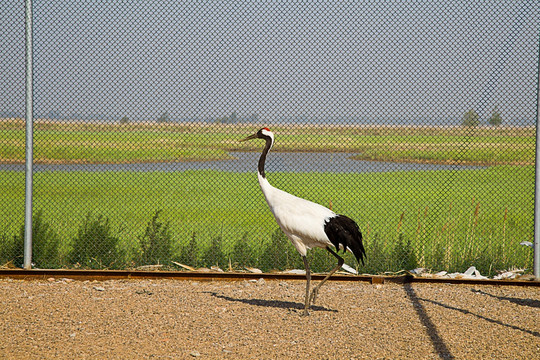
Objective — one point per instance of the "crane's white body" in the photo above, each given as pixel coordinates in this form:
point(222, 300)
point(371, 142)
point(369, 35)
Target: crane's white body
point(301, 220)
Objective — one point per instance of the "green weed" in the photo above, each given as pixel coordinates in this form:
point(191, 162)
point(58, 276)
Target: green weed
point(156, 242)
point(190, 252)
point(214, 255)
point(242, 254)
point(45, 245)
point(11, 250)
point(279, 254)
point(95, 246)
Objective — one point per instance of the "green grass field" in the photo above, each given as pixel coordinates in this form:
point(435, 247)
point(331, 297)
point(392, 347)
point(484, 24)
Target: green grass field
point(446, 224)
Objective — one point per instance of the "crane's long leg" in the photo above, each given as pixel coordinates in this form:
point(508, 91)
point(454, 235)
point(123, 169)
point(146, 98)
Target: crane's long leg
point(308, 278)
point(338, 266)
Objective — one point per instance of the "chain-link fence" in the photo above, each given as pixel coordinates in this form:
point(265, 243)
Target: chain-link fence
point(416, 119)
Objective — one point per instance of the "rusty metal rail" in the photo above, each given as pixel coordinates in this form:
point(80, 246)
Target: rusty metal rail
point(101, 275)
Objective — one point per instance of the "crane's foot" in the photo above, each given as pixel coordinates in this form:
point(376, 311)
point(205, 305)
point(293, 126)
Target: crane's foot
point(305, 313)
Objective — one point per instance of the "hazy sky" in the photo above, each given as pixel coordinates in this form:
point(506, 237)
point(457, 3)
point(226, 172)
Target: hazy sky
point(281, 60)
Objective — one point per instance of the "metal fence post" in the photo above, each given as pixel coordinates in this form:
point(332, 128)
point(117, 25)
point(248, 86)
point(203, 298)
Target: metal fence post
point(29, 138)
point(536, 265)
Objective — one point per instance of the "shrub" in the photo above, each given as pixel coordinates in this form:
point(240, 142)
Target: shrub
point(214, 254)
point(45, 244)
point(190, 252)
point(156, 242)
point(280, 254)
point(242, 253)
point(377, 257)
point(403, 255)
point(438, 261)
point(95, 247)
point(9, 252)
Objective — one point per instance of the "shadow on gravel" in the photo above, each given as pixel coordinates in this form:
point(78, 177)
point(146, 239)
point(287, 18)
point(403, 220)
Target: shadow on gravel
point(523, 302)
point(438, 343)
point(271, 303)
point(467, 312)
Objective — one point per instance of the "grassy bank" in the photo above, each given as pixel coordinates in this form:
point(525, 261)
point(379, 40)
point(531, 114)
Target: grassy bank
point(87, 142)
point(442, 220)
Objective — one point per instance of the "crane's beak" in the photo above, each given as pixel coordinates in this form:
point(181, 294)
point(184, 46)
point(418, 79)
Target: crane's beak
point(251, 137)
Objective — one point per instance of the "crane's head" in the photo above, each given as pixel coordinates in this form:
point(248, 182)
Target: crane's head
point(268, 137)
point(263, 133)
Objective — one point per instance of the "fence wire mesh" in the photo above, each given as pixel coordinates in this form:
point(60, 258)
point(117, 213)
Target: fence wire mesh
point(416, 119)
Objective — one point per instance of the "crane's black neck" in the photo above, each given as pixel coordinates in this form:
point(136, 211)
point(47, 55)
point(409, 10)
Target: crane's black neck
point(262, 159)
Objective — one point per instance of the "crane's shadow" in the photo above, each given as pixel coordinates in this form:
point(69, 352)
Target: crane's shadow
point(290, 305)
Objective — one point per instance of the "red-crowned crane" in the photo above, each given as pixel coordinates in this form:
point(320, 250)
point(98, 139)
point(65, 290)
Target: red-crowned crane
point(308, 224)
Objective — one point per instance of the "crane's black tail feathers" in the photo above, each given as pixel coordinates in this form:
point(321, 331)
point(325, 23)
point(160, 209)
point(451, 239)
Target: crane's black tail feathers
point(343, 231)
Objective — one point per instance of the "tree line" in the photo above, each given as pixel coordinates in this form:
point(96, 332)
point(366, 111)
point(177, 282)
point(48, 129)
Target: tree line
point(472, 119)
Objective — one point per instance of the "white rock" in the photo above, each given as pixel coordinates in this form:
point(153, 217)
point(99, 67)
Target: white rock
point(477, 275)
point(511, 274)
point(505, 275)
point(150, 267)
point(295, 271)
point(470, 271)
point(527, 243)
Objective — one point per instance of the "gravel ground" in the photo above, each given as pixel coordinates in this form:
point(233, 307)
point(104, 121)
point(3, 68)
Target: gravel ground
point(140, 319)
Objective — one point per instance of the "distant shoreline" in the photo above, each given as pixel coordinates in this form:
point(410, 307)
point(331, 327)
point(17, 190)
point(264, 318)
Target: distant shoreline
point(98, 142)
point(357, 157)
